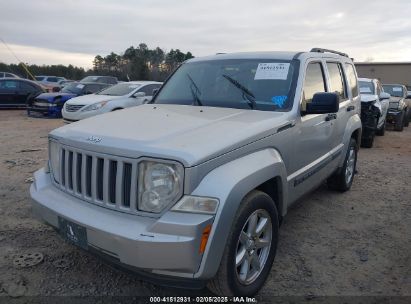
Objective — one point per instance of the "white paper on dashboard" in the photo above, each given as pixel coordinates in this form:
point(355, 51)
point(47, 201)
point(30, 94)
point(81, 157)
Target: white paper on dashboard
point(272, 70)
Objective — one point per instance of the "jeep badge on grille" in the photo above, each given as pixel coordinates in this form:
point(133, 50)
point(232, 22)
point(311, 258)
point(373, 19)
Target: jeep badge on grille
point(94, 139)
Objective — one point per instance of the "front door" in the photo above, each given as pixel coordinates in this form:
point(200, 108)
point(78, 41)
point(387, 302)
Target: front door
point(313, 142)
point(8, 93)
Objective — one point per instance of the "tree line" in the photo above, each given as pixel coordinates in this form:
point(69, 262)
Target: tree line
point(136, 63)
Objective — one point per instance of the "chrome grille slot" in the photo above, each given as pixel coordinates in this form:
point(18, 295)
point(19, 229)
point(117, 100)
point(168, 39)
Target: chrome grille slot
point(127, 184)
point(63, 167)
point(79, 164)
point(70, 170)
point(73, 108)
point(112, 181)
point(100, 170)
point(89, 161)
point(100, 179)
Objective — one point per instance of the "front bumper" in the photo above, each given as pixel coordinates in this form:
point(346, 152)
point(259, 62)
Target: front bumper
point(166, 246)
point(393, 115)
point(52, 111)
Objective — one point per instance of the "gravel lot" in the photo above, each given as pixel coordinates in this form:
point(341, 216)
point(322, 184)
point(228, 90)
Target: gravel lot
point(331, 244)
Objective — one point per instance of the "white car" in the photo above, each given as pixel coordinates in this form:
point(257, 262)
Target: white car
point(374, 108)
point(116, 97)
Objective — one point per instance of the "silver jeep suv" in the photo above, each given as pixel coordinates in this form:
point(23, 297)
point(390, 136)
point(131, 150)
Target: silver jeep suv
point(191, 189)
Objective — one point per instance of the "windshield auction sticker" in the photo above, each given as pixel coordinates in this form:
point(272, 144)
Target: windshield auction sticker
point(272, 70)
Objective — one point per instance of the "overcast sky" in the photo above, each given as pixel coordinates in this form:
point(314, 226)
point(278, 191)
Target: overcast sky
point(52, 32)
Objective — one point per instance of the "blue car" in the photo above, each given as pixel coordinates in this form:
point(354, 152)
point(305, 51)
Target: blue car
point(51, 104)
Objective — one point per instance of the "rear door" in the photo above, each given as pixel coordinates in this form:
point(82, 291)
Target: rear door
point(9, 93)
point(338, 84)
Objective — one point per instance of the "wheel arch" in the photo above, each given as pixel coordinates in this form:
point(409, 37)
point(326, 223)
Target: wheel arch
point(230, 183)
point(353, 129)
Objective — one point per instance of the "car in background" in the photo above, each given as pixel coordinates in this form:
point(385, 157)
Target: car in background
point(100, 79)
point(50, 104)
point(398, 113)
point(408, 103)
point(374, 109)
point(16, 92)
point(116, 97)
point(50, 82)
point(63, 83)
point(8, 75)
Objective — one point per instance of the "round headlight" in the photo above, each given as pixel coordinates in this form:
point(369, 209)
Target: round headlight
point(160, 184)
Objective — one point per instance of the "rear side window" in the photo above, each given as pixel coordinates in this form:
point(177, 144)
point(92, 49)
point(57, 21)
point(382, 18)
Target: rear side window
point(337, 83)
point(9, 85)
point(27, 87)
point(352, 79)
point(93, 88)
point(313, 83)
point(148, 89)
point(52, 79)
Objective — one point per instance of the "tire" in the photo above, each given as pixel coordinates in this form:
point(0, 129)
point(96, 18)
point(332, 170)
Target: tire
point(367, 139)
point(343, 178)
point(368, 142)
point(399, 124)
point(406, 119)
point(381, 131)
point(230, 279)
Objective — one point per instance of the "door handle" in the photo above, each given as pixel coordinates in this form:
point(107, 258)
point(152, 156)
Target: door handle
point(331, 117)
point(350, 108)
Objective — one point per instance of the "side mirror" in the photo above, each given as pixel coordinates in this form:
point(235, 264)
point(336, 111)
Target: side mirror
point(155, 91)
point(139, 94)
point(323, 103)
point(384, 95)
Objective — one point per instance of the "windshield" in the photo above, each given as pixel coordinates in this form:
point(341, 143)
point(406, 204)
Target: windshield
point(258, 84)
point(74, 88)
point(394, 90)
point(39, 78)
point(120, 89)
point(366, 87)
point(90, 79)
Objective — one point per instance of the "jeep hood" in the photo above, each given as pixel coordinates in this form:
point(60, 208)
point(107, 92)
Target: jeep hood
point(189, 134)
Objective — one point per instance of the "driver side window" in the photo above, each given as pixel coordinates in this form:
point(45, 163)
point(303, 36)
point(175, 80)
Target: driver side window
point(314, 82)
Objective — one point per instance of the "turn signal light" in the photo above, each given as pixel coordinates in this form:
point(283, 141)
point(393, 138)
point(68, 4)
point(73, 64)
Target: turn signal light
point(204, 238)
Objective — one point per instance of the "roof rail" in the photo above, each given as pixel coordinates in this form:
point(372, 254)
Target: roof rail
point(320, 50)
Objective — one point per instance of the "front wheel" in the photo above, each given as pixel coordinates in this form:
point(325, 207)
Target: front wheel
point(407, 118)
point(342, 179)
point(250, 248)
point(381, 131)
point(399, 123)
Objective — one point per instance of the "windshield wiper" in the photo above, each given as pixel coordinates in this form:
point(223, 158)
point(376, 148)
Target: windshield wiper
point(195, 92)
point(247, 94)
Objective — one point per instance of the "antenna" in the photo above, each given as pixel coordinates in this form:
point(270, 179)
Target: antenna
point(20, 62)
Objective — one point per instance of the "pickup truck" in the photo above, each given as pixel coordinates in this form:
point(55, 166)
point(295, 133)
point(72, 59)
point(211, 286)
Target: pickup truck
point(190, 189)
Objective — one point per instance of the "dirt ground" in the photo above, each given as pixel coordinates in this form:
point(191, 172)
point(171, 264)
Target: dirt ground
point(353, 244)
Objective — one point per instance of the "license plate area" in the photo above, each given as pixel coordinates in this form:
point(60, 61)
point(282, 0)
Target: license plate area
point(73, 232)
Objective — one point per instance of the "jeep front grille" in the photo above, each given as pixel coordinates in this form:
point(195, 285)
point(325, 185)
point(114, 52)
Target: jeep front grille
point(73, 108)
point(100, 179)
